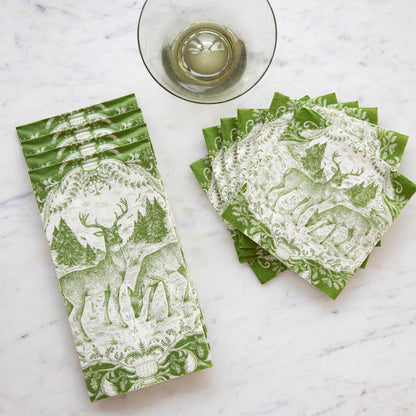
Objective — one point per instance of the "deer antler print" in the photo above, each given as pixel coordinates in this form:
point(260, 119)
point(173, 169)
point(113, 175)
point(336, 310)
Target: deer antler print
point(123, 206)
point(338, 177)
point(338, 167)
point(358, 172)
point(83, 219)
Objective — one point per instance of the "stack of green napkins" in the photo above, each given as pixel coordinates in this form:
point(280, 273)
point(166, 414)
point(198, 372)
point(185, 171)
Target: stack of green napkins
point(310, 185)
point(131, 303)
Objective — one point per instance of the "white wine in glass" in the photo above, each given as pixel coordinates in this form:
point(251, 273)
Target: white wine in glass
point(205, 55)
point(207, 52)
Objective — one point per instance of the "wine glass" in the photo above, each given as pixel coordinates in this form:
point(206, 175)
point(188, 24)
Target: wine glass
point(207, 51)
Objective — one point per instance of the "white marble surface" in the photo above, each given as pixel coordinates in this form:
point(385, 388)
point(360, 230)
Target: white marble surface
point(279, 349)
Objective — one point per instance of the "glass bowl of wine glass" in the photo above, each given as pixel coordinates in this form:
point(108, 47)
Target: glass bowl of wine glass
point(207, 51)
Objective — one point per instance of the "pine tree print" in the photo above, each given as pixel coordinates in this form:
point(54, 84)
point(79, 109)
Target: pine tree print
point(150, 227)
point(69, 251)
point(139, 229)
point(313, 158)
point(157, 227)
point(90, 256)
point(361, 195)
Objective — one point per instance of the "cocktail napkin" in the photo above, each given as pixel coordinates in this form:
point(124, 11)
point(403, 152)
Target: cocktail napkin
point(294, 222)
point(222, 149)
point(131, 303)
point(321, 203)
point(222, 145)
point(258, 150)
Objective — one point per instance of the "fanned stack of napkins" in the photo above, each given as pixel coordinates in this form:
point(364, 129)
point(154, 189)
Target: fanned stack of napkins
point(310, 185)
point(131, 303)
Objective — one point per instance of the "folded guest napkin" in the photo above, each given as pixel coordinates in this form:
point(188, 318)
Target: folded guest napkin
point(338, 206)
point(131, 303)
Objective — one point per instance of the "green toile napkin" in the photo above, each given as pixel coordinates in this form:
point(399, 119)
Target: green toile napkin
point(281, 103)
point(131, 303)
point(222, 143)
point(263, 264)
point(77, 118)
point(247, 128)
point(321, 202)
point(255, 152)
point(102, 127)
